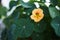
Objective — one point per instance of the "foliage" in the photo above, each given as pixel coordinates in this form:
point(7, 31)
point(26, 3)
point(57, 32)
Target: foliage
point(19, 25)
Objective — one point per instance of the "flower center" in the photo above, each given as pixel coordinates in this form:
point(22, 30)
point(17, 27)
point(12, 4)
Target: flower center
point(37, 14)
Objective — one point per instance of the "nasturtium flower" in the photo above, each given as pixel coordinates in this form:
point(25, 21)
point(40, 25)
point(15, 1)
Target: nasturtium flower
point(37, 15)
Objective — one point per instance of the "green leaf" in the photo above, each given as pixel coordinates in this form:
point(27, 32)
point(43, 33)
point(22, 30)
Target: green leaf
point(4, 34)
point(56, 25)
point(24, 28)
point(42, 0)
point(29, 10)
point(12, 3)
point(15, 15)
point(8, 22)
point(40, 27)
point(38, 36)
point(53, 12)
point(10, 33)
point(3, 11)
point(58, 3)
point(25, 5)
point(39, 1)
point(12, 0)
point(54, 2)
point(47, 17)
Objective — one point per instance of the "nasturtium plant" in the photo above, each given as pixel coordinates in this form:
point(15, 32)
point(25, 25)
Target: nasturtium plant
point(31, 20)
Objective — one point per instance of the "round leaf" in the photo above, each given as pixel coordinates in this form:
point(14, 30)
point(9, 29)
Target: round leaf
point(24, 28)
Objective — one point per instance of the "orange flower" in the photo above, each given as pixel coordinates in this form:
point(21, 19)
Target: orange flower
point(37, 15)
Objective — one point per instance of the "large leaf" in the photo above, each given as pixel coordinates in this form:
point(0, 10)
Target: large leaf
point(40, 27)
point(56, 25)
point(24, 28)
point(53, 12)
